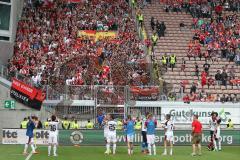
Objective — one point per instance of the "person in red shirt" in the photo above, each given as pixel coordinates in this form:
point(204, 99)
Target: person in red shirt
point(203, 78)
point(196, 135)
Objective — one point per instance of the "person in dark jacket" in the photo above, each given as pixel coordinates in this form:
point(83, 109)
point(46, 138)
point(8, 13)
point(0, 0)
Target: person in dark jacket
point(161, 29)
point(218, 77)
point(224, 78)
point(152, 22)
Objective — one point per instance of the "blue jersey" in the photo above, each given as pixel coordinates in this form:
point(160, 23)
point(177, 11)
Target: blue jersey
point(130, 127)
point(151, 125)
point(100, 118)
point(30, 128)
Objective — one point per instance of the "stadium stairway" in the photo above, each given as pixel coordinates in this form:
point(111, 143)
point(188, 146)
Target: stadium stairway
point(176, 42)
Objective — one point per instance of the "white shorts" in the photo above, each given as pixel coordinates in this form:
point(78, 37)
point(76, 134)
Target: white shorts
point(29, 140)
point(169, 136)
point(105, 134)
point(130, 138)
point(53, 139)
point(151, 138)
point(217, 135)
point(111, 138)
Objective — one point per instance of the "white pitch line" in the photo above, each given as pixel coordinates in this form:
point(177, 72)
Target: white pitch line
point(30, 155)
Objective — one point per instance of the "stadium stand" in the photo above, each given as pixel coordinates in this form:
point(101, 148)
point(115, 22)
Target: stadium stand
point(57, 44)
point(202, 47)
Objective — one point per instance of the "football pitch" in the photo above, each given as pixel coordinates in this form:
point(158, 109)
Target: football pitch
point(14, 152)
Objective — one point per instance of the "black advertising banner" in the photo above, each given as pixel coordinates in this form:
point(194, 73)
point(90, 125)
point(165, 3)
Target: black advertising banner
point(26, 94)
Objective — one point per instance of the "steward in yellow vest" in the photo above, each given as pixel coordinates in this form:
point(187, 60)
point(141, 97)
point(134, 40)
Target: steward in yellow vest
point(74, 125)
point(89, 125)
point(154, 39)
point(140, 19)
point(172, 59)
point(133, 3)
point(230, 124)
point(65, 124)
point(119, 125)
point(138, 124)
point(164, 60)
point(46, 124)
point(24, 123)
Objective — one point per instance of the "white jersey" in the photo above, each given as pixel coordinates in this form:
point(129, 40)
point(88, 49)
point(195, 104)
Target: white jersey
point(53, 128)
point(168, 125)
point(212, 124)
point(111, 127)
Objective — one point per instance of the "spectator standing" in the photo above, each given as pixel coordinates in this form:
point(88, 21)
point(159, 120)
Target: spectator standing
point(224, 77)
point(203, 78)
point(206, 67)
point(152, 23)
point(161, 29)
point(183, 66)
point(196, 70)
point(193, 88)
point(218, 77)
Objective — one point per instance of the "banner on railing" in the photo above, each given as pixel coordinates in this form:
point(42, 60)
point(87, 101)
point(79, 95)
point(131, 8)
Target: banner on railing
point(26, 94)
point(97, 35)
point(95, 137)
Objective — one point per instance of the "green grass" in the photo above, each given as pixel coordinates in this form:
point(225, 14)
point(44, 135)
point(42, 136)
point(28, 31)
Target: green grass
point(13, 152)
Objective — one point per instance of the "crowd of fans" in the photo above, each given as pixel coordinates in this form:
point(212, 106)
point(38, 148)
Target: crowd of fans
point(50, 51)
point(219, 34)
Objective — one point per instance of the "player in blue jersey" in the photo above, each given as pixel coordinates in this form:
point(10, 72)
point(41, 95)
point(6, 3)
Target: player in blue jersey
point(30, 127)
point(150, 125)
point(129, 129)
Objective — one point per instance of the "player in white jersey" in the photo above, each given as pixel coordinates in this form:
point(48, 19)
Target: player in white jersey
point(53, 135)
point(111, 135)
point(105, 130)
point(212, 126)
point(168, 129)
point(217, 137)
point(144, 136)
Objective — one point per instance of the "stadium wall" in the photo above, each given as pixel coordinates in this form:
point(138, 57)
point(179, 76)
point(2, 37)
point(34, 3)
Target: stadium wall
point(6, 46)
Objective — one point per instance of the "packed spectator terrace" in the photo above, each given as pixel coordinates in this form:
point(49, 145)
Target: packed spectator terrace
point(56, 45)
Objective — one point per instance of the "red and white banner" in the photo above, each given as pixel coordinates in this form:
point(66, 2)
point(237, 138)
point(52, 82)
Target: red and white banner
point(24, 88)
